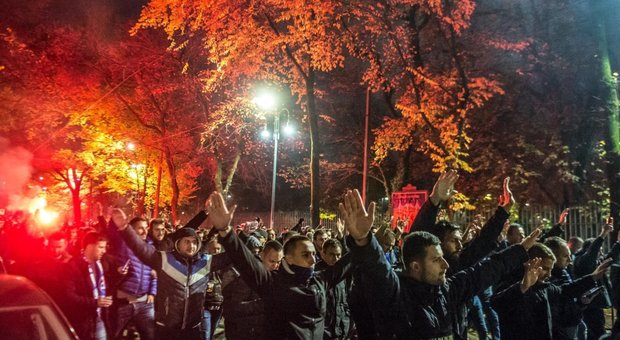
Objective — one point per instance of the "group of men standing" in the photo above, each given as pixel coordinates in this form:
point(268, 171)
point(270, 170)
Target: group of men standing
point(319, 287)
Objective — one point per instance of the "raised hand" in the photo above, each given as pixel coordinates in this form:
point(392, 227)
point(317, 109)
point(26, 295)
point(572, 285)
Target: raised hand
point(529, 241)
point(444, 187)
point(532, 271)
point(356, 220)
point(608, 227)
point(600, 271)
point(219, 215)
point(119, 219)
point(339, 228)
point(506, 199)
point(563, 216)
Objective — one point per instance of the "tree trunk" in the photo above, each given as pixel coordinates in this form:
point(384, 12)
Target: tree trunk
point(158, 187)
point(313, 120)
point(610, 105)
point(231, 174)
point(172, 172)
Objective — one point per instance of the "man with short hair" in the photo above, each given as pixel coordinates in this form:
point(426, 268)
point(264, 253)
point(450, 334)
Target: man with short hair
point(337, 316)
point(294, 295)
point(319, 236)
point(420, 303)
point(182, 276)
point(136, 288)
point(158, 233)
point(243, 307)
point(566, 313)
point(525, 308)
point(85, 297)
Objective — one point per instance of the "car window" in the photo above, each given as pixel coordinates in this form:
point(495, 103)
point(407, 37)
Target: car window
point(31, 323)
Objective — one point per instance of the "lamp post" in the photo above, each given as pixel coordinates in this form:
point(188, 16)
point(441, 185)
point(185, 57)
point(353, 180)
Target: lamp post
point(268, 103)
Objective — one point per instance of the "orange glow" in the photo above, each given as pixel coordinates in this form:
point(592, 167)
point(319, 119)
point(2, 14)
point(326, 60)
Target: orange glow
point(46, 217)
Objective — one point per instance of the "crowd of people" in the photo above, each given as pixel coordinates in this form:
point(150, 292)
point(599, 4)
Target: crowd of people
point(361, 280)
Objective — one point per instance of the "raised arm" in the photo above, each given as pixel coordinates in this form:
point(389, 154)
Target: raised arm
point(486, 242)
point(586, 262)
point(474, 280)
point(252, 270)
point(366, 253)
point(442, 191)
point(144, 251)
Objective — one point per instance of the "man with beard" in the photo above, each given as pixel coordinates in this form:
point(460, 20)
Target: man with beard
point(420, 303)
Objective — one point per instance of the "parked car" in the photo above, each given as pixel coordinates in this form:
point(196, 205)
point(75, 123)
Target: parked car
point(28, 313)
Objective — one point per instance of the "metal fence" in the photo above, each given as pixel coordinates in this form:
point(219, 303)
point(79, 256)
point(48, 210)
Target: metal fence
point(584, 222)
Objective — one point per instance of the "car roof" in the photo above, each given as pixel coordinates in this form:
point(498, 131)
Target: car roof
point(19, 291)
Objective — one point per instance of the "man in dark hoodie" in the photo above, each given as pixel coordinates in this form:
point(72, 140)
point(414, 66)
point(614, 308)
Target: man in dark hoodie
point(182, 276)
point(294, 295)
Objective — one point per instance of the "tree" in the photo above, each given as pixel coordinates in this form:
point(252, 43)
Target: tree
point(290, 42)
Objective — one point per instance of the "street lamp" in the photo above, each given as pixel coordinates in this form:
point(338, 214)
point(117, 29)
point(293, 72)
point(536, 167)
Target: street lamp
point(267, 101)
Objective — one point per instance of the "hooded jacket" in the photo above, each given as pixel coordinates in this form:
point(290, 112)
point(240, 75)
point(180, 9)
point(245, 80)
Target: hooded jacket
point(182, 281)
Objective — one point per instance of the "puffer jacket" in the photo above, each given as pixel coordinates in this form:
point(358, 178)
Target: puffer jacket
point(139, 281)
point(182, 281)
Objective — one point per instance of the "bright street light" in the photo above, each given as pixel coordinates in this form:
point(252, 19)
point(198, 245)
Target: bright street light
point(266, 100)
point(289, 129)
point(265, 134)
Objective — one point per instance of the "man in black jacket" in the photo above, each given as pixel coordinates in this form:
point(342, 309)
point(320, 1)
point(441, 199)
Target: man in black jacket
point(420, 303)
point(85, 293)
point(338, 316)
point(458, 256)
point(243, 307)
point(525, 308)
point(295, 295)
point(585, 262)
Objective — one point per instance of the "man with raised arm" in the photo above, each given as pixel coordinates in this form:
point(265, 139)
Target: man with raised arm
point(294, 295)
point(420, 303)
point(182, 276)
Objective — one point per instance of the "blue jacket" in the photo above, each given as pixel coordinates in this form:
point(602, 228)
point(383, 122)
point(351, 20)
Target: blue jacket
point(138, 280)
point(182, 281)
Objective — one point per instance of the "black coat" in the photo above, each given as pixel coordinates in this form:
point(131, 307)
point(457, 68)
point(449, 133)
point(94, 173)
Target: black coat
point(404, 308)
point(586, 262)
point(295, 310)
point(78, 303)
point(529, 316)
point(243, 310)
point(338, 314)
point(479, 248)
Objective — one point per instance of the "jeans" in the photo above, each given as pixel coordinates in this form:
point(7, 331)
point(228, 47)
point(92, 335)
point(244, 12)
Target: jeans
point(483, 318)
point(210, 320)
point(100, 333)
point(141, 314)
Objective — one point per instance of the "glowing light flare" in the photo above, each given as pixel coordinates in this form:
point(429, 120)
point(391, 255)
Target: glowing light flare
point(38, 203)
point(46, 217)
point(131, 146)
